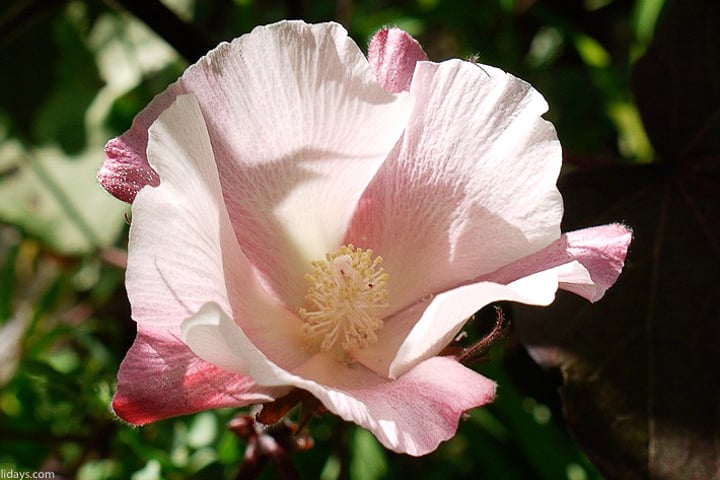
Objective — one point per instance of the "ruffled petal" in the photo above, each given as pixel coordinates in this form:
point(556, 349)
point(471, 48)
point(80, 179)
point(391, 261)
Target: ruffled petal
point(299, 126)
point(214, 336)
point(159, 379)
point(448, 312)
point(471, 187)
point(182, 254)
point(586, 262)
point(126, 170)
point(412, 414)
point(124, 174)
point(594, 258)
point(393, 54)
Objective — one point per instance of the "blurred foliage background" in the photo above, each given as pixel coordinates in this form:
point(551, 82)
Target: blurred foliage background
point(74, 73)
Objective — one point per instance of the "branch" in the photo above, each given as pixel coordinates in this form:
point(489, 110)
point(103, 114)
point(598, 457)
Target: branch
point(188, 40)
point(23, 13)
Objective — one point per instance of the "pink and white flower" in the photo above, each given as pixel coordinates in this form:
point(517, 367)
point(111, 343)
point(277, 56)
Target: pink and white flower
point(323, 221)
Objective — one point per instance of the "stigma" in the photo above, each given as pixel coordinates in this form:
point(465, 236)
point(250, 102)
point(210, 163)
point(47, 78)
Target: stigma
point(346, 295)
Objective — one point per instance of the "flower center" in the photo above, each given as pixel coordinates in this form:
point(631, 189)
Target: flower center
point(346, 291)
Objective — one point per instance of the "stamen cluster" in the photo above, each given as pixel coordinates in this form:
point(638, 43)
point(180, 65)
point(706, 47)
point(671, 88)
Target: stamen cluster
point(345, 294)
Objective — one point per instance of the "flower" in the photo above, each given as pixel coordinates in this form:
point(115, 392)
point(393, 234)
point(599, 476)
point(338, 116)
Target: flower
point(321, 221)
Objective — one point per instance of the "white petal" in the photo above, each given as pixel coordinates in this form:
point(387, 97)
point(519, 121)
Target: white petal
point(183, 252)
point(470, 189)
point(178, 239)
point(299, 126)
point(209, 334)
point(448, 312)
point(213, 336)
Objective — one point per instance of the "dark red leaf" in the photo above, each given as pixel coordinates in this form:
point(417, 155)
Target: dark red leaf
point(642, 387)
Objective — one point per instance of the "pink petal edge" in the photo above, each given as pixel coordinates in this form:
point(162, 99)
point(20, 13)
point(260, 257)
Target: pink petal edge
point(176, 382)
point(393, 54)
point(126, 169)
point(438, 391)
point(599, 251)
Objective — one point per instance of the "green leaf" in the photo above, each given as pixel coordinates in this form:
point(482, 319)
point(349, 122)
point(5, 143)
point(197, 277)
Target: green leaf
point(203, 430)
point(53, 81)
point(51, 379)
point(9, 248)
point(61, 119)
point(104, 468)
point(151, 471)
point(591, 51)
point(33, 56)
point(645, 17)
point(368, 461)
point(58, 200)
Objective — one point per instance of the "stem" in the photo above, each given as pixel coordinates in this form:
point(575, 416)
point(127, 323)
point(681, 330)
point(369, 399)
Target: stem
point(482, 346)
point(253, 465)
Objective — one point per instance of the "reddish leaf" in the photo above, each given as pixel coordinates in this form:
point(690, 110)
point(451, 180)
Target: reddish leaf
point(677, 82)
point(642, 388)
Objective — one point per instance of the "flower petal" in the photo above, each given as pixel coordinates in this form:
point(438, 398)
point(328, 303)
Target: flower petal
point(586, 262)
point(470, 189)
point(180, 234)
point(412, 414)
point(159, 379)
point(393, 54)
point(126, 170)
point(594, 256)
point(183, 253)
point(293, 163)
point(448, 312)
point(213, 336)
point(379, 355)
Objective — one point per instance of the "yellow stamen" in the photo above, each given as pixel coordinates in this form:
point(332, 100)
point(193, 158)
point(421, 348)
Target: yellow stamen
point(345, 295)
